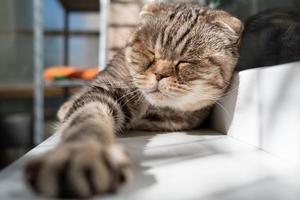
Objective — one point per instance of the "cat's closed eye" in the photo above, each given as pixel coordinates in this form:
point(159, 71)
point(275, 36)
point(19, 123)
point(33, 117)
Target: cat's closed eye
point(183, 63)
point(180, 65)
point(214, 61)
point(150, 64)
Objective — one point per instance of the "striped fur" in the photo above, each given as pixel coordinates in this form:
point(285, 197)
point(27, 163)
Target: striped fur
point(176, 65)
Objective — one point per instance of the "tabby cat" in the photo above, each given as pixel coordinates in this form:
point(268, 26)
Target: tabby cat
point(175, 66)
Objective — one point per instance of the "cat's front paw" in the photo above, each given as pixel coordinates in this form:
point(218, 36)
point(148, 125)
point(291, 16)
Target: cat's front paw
point(79, 170)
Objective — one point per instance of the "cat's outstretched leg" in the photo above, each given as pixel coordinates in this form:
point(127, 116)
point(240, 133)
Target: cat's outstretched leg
point(88, 160)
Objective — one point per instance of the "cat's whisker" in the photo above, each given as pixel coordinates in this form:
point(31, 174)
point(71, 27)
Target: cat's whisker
point(209, 98)
point(122, 97)
point(223, 108)
point(216, 101)
point(133, 97)
point(140, 99)
point(230, 91)
point(228, 82)
point(128, 100)
point(183, 86)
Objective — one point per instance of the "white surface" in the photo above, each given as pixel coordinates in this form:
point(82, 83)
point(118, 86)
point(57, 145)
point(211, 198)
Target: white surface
point(195, 165)
point(264, 110)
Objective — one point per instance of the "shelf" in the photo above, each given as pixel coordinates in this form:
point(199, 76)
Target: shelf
point(56, 32)
point(66, 83)
point(80, 5)
point(76, 33)
point(27, 91)
point(60, 32)
point(87, 5)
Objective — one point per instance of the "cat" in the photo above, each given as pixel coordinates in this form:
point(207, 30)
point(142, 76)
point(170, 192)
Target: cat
point(175, 66)
point(277, 34)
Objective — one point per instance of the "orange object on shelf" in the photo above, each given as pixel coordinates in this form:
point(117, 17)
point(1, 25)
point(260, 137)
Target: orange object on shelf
point(68, 72)
point(86, 74)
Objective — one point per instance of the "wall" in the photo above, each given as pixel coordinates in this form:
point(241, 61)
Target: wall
point(263, 110)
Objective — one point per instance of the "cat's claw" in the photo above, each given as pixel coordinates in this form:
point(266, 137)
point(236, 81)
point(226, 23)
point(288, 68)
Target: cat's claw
point(79, 169)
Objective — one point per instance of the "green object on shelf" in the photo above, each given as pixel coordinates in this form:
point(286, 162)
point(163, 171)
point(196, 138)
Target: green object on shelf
point(215, 3)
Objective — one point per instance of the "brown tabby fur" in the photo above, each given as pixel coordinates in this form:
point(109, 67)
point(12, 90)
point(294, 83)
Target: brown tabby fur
point(176, 65)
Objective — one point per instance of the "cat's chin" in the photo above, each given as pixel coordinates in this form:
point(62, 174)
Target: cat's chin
point(185, 103)
point(158, 98)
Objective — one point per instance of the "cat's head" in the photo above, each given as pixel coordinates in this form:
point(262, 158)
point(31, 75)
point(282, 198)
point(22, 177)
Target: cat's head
point(183, 56)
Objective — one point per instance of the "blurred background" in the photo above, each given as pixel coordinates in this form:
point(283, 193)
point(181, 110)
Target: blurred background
point(70, 40)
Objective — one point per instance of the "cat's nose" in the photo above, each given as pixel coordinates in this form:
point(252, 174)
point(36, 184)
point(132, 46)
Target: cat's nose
point(159, 76)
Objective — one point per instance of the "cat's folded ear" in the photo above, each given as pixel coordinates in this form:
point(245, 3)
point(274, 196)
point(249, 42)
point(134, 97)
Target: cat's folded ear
point(227, 21)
